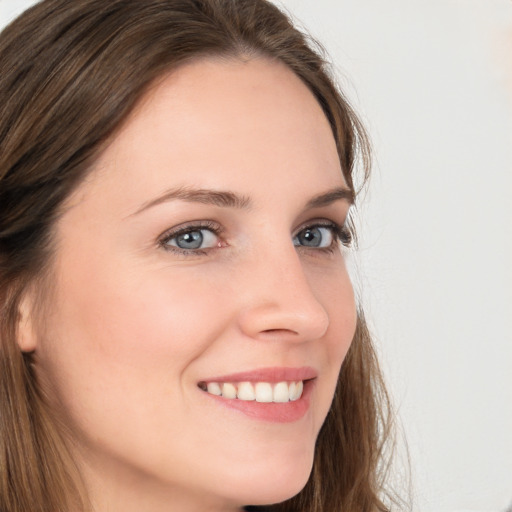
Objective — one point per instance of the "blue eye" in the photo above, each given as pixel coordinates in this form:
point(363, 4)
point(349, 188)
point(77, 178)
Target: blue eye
point(318, 237)
point(192, 238)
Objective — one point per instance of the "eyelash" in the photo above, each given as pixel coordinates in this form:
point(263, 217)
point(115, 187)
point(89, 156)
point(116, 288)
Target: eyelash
point(340, 234)
point(215, 228)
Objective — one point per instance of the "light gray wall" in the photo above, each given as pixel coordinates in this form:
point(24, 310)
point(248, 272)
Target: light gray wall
point(433, 81)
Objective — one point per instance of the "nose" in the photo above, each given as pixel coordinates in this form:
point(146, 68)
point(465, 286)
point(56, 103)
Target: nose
point(279, 300)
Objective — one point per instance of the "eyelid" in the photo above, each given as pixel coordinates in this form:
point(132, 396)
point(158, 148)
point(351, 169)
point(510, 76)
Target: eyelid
point(321, 222)
point(315, 222)
point(176, 231)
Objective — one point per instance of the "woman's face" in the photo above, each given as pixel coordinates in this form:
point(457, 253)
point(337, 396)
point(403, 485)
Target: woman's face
point(200, 253)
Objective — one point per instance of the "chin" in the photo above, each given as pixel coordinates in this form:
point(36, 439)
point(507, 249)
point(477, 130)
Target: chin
point(277, 483)
point(282, 493)
point(277, 493)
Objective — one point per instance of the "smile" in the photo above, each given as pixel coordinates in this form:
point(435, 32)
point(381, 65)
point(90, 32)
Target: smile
point(276, 394)
point(263, 392)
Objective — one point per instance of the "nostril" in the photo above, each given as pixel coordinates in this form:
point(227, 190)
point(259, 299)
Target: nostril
point(279, 331)
point(278, 334)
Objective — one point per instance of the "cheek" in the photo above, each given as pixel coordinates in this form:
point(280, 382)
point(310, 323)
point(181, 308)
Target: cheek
point(342, 312)
point(117, 358)
point(119, 335)
point(335, 290)
point(344, 320)
point(131, 309)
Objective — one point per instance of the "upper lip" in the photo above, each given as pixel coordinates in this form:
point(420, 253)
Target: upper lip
point(272, 374)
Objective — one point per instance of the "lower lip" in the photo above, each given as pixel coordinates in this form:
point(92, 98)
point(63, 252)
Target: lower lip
point(275, 412)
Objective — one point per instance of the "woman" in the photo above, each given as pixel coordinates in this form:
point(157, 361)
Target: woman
point(175, 183)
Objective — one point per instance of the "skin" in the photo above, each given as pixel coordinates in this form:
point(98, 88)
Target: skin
point(131, 328)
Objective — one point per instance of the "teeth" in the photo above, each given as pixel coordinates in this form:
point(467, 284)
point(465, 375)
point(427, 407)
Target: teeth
point(228, 390)
point(293, 390)
point(214, 389)
point(245, 391)
point(264, 392)
point(298, 391)
point(281, 392)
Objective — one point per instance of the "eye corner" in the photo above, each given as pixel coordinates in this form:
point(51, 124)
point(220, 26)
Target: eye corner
point(345, 236)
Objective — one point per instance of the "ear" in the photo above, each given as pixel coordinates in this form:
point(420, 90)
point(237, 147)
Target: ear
point(25, 333)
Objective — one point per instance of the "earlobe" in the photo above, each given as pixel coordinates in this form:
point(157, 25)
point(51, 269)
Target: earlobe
point(26, 337)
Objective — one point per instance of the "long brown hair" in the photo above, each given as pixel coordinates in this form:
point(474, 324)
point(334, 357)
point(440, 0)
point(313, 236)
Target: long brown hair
point(71, 72)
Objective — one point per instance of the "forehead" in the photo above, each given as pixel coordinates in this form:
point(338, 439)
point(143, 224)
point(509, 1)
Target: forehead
point(213, 121)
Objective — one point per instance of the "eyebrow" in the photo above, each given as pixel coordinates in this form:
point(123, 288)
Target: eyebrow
point(220, 198)
point(331, 196)
point(227, 199)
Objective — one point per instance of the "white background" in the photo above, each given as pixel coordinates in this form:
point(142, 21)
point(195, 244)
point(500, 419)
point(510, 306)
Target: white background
point(433, 81)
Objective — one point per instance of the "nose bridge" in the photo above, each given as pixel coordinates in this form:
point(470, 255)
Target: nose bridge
point(279, 297)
